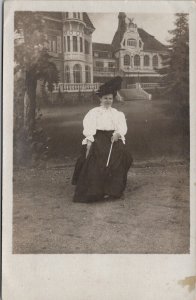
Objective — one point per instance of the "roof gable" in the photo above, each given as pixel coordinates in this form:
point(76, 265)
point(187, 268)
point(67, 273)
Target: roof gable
point(87, 21)
point(150, 42)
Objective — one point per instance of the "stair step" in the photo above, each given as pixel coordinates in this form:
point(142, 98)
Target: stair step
point(133, 94)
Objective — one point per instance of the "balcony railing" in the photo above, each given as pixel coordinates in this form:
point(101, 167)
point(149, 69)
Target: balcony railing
point(150, 85)
point(105, 70)
point(144, 85)
point(75, 87)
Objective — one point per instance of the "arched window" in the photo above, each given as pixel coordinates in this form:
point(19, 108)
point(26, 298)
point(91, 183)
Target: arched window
point(68, 44)
point(87, 74)
point(146, 60)
point(65, 43)
point(77, 73)
point(127, 60)
point(137, 60)
point(67, 74)
point(155, 61)
point(131, 43)
point(81, 44)
point(75, 44)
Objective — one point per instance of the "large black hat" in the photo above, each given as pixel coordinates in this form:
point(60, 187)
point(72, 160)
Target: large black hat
point(110, 87)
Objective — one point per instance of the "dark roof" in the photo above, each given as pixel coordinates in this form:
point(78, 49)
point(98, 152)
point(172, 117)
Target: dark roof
point(150, 43)
point(59, 16)
point(117, 39)
point(102, 47)
point(87, 21)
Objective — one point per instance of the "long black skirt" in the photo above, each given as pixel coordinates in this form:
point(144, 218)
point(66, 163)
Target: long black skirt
point(92, 178)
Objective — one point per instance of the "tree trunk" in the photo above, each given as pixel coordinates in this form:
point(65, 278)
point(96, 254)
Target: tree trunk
point(30, 102)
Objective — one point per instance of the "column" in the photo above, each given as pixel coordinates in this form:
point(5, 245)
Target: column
point(151, 67)
point(83, 73)
point(91, 68)
point(141, 61)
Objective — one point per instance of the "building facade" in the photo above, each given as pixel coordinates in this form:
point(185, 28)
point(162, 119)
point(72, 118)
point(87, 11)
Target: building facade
point(133, 54)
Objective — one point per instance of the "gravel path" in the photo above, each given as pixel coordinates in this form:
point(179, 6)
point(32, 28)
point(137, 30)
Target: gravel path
point(153, 216)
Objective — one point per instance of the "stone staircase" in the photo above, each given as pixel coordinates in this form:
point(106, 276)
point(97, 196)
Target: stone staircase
point(136, 93)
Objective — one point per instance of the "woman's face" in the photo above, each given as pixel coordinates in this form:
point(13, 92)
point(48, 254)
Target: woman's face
point(107, 100)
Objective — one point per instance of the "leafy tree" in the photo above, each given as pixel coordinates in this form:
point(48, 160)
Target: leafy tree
point(175, 69)
point(32, 63)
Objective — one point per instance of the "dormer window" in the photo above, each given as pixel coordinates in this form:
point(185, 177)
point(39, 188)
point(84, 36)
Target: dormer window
point(131, 43)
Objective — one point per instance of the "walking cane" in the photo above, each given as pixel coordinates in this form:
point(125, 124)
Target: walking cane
point(109, 154)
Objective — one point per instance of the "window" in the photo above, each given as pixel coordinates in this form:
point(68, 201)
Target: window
point(67, 15)
point(99, 64)
point(68, 43)
point(111, 65)
point(78, 15)
point(74, 15)
point(49, 45)
point(96, 54)
point(52, 43)
point(104, 54)
point(75, 44)
point(155, 61)
point(131, 43)
point(140, 44)
point(77, 72)
point(86, 45)
point(146, 60)
point(87, 74)
point(127, 60)
point(54, 46)
point(81, 44)
point(65, 43)
point(137, 60)
point(67, 74)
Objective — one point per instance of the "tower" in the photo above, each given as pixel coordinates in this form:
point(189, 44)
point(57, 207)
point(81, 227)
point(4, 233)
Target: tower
point(77, 47)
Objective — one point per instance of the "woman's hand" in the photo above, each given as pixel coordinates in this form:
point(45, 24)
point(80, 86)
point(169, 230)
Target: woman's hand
point(88, 146)
point(115, 137)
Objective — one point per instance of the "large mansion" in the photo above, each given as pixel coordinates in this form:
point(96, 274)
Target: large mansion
point(133, 53)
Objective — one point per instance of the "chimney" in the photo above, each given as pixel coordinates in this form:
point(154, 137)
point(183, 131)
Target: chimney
point(121, 21)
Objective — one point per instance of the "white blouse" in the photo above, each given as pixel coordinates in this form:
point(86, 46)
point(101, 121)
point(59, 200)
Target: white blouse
point(101, 118)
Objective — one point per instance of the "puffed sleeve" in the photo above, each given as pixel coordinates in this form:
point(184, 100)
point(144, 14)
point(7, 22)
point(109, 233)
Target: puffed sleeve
point(121, 126)
point(89, 126)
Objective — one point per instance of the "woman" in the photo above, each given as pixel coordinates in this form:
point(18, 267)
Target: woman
point(101, 170)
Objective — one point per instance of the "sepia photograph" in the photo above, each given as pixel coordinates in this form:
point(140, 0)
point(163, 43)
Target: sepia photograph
point(101, 142)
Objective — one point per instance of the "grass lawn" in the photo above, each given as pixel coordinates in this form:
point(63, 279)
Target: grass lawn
point(154, 132)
